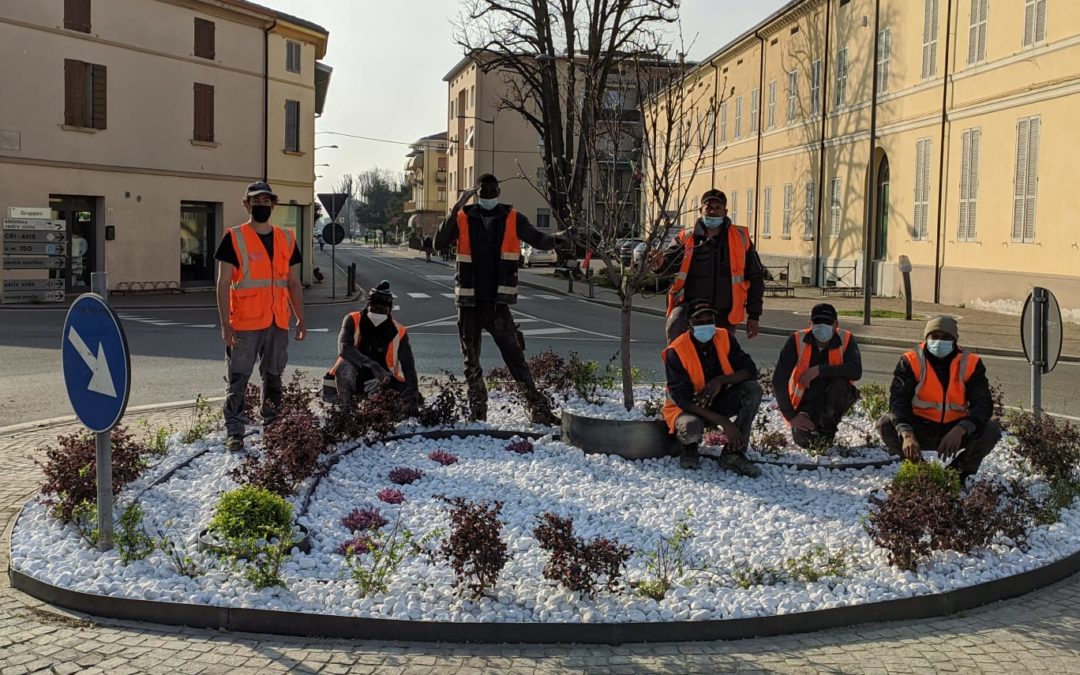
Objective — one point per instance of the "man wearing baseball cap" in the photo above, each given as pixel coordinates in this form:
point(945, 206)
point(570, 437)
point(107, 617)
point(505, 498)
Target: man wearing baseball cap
point(258, 290)
point(709, 380)
point(715, 262)
point(814, 376)
point(940, 400)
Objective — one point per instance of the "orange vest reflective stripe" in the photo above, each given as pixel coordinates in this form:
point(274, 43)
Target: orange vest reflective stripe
point(509, 254)
point(259, 289)
point(738, 245)
point(393, 363)
point(934, 402)
point(802, 362)
point(685, 350)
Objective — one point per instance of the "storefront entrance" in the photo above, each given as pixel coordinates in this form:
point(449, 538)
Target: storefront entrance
point(80, 213)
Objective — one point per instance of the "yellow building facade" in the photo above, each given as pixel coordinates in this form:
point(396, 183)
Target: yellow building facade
point(426, 170)
point(973, 133)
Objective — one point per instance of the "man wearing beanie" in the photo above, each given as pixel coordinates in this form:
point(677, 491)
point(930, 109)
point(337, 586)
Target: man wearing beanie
point(940, 400)
point(813, 379)
point(373, 351)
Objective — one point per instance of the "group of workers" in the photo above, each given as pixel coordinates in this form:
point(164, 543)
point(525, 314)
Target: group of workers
point(939, 399)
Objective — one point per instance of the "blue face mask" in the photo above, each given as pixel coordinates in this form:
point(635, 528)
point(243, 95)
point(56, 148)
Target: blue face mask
point(488, 204)
point(713, 222)
point(704, 333)
point(823, 332)
point(940, 348)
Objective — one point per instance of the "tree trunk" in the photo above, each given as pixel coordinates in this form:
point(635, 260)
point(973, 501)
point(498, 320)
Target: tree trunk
point(627, 368)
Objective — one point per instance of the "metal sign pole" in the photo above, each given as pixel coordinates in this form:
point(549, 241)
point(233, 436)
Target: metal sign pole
point(333, 266)
point(1038, 351)
point(103, 445)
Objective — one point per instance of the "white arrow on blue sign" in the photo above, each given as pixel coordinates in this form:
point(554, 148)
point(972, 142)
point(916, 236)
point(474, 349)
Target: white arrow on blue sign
point(96, 363)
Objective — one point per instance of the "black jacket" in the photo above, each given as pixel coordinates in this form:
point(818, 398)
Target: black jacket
point(850, 369)
point(681, 389)
point(487, 271)
point(902, 392)
point(372, 353)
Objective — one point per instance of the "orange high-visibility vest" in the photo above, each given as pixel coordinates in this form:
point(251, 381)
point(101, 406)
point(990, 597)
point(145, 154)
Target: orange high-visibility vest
point(509, 253)
point(836, 358)
point(686, 352)
point(738, 245)
point(259, 290)
point(933, 401)
point(393, 363)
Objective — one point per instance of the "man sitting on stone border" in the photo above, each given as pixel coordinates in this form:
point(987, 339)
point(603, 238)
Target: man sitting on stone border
point(940, 400)
point(709, 379)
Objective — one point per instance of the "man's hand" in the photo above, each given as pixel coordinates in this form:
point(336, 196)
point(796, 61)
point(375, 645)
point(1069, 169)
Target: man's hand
point(228, 335)
point(911, 449)
point(803, 423)
point(371, 385)
point(809, 376)
point(753, 328)
point(301, 330)
point(712, 388)
point(951, 442)
point(466, 195)
point(735, 439)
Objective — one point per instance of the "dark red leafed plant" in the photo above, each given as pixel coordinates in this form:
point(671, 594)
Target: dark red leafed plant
point(71, 474)
point(292, 445)
point(575, 563)
point(359, 545)
point(475, 547)
point(371, 417)
point(449, 405)
point(522, 446)
point(551, 373)
point(363, 519)
point(390, 496)
point(404, 475)
point(443, 457)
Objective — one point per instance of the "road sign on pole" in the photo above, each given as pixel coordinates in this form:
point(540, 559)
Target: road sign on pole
point(30, 212)
point(333, 202)
point(1041, 333)
point(35, 224)
point(34, 236)
point(97, 375)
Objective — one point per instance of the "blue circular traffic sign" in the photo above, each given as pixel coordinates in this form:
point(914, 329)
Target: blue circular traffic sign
point(97, 367)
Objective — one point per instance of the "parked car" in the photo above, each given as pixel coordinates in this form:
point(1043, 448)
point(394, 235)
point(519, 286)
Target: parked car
point(533, 256)
point(624, 248)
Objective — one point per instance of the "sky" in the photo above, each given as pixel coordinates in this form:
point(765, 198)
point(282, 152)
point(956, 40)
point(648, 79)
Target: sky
point(389, 58)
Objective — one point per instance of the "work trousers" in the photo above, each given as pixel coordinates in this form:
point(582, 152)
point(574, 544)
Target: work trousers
point(351, 383)
point(495, 318)
point(826, 411)
point(929, 435)
point(678, 322)
point(269, 347)
point(740, 401)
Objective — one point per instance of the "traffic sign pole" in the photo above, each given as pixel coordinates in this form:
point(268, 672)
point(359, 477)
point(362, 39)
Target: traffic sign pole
point(1038, 347)
point(103, 446)
point(333, 269)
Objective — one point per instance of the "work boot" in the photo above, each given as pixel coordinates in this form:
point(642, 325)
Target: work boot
point(539, 408)
point(477, 411)
point(737, 462)
point(689, 458)
point(234, 444)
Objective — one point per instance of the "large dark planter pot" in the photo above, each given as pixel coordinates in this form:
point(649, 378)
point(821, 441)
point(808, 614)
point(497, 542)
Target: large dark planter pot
point(632, 439)
point(208, 542)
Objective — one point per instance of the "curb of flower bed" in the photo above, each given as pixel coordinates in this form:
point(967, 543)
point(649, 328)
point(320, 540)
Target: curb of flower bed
point(344, 627)
point(838, 466)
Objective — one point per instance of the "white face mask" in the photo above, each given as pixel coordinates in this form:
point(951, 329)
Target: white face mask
point(823, 332)
point(487, 204)
point(377, 319)
point(939, 348)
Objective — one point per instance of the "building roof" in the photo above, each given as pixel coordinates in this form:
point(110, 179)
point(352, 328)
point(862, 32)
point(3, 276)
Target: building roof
point(270, 13)
point(441, 136)
point(748, 33)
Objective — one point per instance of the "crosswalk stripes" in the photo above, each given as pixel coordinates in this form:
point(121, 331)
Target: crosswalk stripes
point(419, 295)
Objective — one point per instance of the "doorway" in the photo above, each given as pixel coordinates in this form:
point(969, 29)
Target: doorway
point(80, 214)
point(881, 218)
point(198, 228)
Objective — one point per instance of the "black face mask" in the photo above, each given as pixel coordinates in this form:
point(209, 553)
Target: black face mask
point(261, 213)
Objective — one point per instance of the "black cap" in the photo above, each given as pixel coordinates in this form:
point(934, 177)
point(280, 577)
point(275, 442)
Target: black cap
point(823, 313)
point(487, 178)
point(381, 295)
point(259, 188)
point(714, 194)
point(699, 307)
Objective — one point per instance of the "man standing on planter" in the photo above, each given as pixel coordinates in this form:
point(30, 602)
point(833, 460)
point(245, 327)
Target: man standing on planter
point(940, 400)
point(258, 290)
point(373, 351)
point(814, 375)
point(709, 379)
point(488, 237)
point(715, 262)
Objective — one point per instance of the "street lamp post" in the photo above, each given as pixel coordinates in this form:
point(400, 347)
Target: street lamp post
point(492, 123)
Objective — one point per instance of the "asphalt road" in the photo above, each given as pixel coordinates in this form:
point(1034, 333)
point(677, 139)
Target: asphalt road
point(177, 353)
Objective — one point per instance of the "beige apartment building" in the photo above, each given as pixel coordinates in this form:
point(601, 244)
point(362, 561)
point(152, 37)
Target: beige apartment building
point(975, 132)
point(426, 169)
point(140, 122)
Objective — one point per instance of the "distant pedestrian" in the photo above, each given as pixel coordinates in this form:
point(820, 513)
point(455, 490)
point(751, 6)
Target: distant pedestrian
point(258, 289)
point(322, 242)
point(488, 237)
point(429, 248)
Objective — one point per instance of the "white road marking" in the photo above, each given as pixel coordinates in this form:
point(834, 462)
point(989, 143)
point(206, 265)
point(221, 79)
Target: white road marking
point(419, 295)
point(546, 331)
point(548, 297)
point(439, 277)
point(449, 295)
point(318, 330)
point(203, 325)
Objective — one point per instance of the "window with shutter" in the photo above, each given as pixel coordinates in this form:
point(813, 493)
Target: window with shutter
point(1034, 22)
point(723, 122)
point(969, 184)
point(809, 211)
point(77, 15)
point(99, 78)
point(749, 207)
point(204, 113)
point(75, 93)
point(292, 56)
point(930, 39)
point(792, 95)
point(977, 32)
point(204, 38)
point(834, 209)
point(772, 104)
point(841, 78)
point(766, 230)
point(292, 126)
point(884, 56)
point(815, 87)
point(789, 197)
point(755, 109)
point(1026, 181)
point(921, 222)
point(738, 117)
point(734, 201)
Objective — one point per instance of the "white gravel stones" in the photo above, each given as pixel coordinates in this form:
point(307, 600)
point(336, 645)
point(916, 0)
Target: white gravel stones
point(736, 521)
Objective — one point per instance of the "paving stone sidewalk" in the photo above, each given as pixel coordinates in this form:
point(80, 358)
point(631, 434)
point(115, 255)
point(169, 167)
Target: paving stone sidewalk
point(1036, 633)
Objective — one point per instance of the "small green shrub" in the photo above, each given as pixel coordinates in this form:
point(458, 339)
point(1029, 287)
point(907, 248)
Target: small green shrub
point(873, 401)
point(157, 438)
point(913, 473)
point(84, 518)
point(132, 541)
point(667, 562)
point(586, 377)
point(250, 513)
point(818, 563)
point(373, 569)
point(748, 576)
point(178, 559)
point(204, 419)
